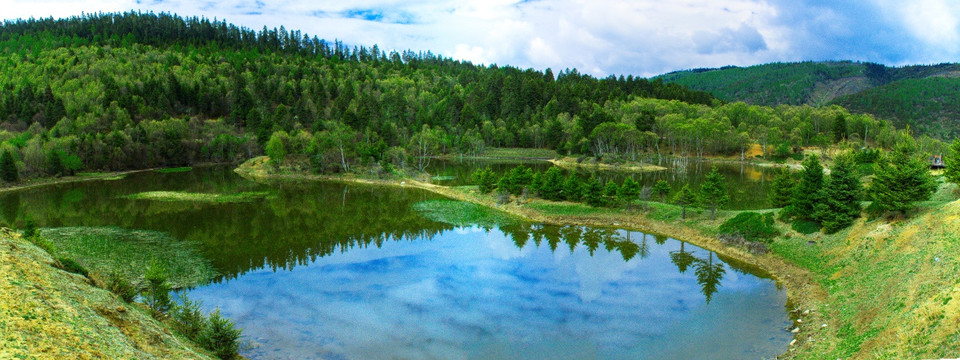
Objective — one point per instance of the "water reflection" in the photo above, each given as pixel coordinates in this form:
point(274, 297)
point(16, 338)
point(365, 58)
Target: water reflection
point(328, 270)
point(474, 293)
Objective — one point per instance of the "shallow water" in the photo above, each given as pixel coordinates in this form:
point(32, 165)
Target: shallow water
point(338, 271)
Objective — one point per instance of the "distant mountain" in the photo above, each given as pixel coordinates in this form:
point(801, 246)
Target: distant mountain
point(925, 97)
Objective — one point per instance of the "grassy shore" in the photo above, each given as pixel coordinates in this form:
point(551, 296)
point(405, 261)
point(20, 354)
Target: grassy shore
point(878, 289)
point(81, 176)
point(47, 313)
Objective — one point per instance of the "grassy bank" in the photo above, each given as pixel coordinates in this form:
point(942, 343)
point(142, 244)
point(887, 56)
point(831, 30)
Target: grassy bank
point(107, 250)
point(81, 176)
point(878, 289)
point(47, 313)
point(198, 197)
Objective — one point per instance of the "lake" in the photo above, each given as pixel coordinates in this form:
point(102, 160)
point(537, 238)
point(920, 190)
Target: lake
point(344, 271)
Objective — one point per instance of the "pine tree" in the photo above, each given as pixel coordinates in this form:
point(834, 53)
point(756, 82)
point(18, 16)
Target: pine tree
point(629, 191)
point(593, 192)
point(572, 189)
point(685, 197)
point(952, 163)
point(807, 193)
point(840, 198)
point(551, 184)
point(661, 189)
point(610, 192)
point(8, 167)
point(900, 179)
point(782, 188)
point(713, 193)
point(485, 179)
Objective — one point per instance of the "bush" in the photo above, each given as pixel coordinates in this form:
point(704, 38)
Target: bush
point(751, 226)
point(189, 318)
point(43, 243)
point(805, 227)
point(157, 294)
point(220, 337)
point(68, 265)
point(122, 287)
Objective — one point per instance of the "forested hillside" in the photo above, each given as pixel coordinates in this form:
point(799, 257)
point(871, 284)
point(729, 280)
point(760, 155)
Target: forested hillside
point(134, 90)
point(923, 97)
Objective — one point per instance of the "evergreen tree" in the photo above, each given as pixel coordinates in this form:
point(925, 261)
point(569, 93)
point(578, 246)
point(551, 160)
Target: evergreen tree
point(900, 179)
point(593, 192)
point(952, 163)
point(782, 188)
point(8, 167)
point(485, 179)
point(807, 193)
point(840, 198)
point(610, 192)
point(713, 192)
point(552, 184)
point(685, 197)
point(572, 189)
point(629, 191)
point(661, 189)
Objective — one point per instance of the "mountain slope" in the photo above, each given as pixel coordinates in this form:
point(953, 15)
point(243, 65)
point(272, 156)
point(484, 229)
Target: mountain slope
point(922, 96)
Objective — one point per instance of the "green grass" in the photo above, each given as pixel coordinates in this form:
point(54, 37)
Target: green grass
point(462, 213)
point(106, 250)
point(566, 208)
point(198, 197)
point(174, 170)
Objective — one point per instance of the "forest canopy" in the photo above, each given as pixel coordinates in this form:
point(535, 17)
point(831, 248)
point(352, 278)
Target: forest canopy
point(136, 90)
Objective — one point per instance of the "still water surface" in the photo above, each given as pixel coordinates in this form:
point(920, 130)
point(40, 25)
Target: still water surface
point(341, 271)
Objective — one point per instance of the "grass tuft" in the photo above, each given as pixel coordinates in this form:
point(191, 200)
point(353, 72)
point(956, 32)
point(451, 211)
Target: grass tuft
point(174, 170)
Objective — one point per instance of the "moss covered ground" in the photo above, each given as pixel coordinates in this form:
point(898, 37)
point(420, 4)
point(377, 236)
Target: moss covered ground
point(47, 313)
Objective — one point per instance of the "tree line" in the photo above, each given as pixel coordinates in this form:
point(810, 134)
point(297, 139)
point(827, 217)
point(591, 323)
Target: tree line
point(135, 90)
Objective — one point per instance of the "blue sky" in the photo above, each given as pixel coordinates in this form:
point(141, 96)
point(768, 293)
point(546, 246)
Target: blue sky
point(598, 37)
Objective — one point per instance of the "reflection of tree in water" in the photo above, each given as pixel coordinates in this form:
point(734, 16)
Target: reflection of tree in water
point(682, 258)
point(10, 208)
point(708, 276)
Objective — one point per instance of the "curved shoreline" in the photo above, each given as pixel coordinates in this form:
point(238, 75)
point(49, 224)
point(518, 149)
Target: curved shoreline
point(803, 293)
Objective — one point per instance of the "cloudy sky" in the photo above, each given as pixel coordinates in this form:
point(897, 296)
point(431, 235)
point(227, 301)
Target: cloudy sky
point(600, 37)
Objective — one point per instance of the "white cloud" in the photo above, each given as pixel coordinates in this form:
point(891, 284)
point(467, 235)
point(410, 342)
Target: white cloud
point(600, 37)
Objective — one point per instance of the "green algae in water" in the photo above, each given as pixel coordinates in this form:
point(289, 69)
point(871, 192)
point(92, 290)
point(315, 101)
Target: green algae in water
point(104, 250)
point(198, 197)
point(460, 213)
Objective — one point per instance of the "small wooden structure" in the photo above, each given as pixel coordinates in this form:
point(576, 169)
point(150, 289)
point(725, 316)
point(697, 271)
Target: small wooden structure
point(936, 162)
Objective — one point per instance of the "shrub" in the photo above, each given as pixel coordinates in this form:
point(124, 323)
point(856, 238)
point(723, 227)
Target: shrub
point(68, 265)
point(43, 243)
point(220, 337)
point(751, 226)
point(190, 320)
point(157, 294)
point(805, 227)
point(119, 285)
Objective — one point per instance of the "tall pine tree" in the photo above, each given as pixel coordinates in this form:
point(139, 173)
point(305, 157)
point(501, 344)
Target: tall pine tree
point(807, 192)
point(839, 202)
point(782, 187)
point(900, 179)
point(685, 197)
point(713, 192)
